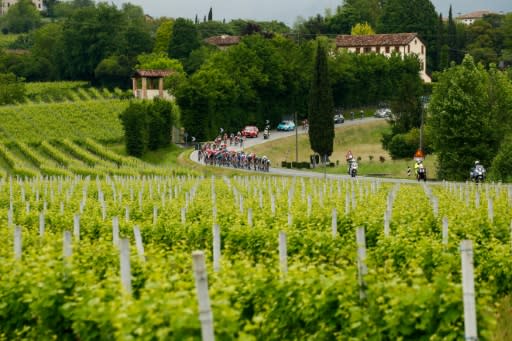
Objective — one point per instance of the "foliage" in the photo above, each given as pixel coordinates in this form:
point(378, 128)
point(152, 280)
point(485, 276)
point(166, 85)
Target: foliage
point(362, 29)
point(501, 167)
point(469, 117)
point(163, 36)
point(321, 108)
point(158, 61)
point(147, 126)
point(184, 39)
point(113, 72)
point(12, 89)
point(412, 290)
point(22, 17)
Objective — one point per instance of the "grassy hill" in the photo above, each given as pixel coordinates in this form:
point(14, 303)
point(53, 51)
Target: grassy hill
point(362, 140)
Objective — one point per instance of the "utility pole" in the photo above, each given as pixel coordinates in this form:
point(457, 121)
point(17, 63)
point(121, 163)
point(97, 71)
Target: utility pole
point(296, 139)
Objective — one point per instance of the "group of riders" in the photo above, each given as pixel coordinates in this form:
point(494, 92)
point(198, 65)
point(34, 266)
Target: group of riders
point(217, 154)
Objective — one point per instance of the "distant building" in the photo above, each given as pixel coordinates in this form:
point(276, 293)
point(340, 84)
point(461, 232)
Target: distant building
point(470, 18)
point(223, 41)
point(5, 4)
point(386, 44)
point(149, 84)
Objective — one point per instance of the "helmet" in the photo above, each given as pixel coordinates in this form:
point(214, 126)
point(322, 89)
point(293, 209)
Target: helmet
point(477, 162)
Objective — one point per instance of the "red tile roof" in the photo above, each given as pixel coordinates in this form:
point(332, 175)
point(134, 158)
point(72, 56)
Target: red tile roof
point(223, 40)
point(153, 73)
point(392, 39)
point(474, 15)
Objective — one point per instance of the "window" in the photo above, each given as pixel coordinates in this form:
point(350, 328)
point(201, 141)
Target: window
point(377, 49)
point(397, 48)
point(422, 52)
point(387, 49)
point(367, 49)
point(408, 48)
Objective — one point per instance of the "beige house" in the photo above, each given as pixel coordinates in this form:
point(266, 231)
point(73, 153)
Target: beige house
point(470, 18)
point(386, 44)
point(5, 4)
point(223, 41)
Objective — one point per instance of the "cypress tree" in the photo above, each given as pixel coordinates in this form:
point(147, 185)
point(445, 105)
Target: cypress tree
point(320, 111)
point(210, 15)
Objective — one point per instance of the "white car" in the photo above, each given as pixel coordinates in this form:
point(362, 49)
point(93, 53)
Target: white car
point(382, 113)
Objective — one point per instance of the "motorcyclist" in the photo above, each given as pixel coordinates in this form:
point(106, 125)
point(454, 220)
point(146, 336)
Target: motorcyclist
point(479, 168)
point(417, 166)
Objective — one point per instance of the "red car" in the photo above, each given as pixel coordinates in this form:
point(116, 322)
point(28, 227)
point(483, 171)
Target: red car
point(250, 131)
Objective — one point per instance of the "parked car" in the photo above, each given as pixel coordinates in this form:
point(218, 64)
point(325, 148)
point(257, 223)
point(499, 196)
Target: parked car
point(286, 126)
point(339, 118)
point(250, 131)
point(382, 113)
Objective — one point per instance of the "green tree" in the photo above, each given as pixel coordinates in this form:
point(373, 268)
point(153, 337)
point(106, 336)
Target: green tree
point(411, 16)
point(163, 36)
point(320, 111)
point(135, 124)
point(470, 113)
point(362, 29)
point(22, 17)
point(184, 39)
point(210, 14)
point(12, 89)
point(113, 71)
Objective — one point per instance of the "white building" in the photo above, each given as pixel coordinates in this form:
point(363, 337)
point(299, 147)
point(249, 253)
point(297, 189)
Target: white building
point(386, 44)
point(5, 4)
point(470, 18)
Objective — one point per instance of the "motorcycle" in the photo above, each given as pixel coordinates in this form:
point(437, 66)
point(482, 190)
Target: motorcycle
point(422, 173)
point(266, 133)
point(478, 174)
point(353, 169)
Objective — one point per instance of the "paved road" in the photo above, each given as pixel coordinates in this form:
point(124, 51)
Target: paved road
point(275, 135)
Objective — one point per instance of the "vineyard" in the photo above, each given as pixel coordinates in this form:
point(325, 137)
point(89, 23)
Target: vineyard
point(33, 123)
point(66, 158)
point(281, 258)
point(69, 91)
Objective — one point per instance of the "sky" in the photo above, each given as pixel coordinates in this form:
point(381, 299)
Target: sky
point(286, 11)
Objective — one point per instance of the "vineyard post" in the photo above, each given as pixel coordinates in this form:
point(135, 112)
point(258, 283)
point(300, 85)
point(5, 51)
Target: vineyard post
point(17, 242)
point(66, 244)
point(126, 275)
point(127, 214)
point(216, 248)
point(249, 217)
point(76, 226)
point(241, 204)
point(283, 253)
point(214, 214)
point(387, 217)
point(155, 214)
point(309, 206)
point(354, 201)
point(138, 243)
point(115, 231)
point(290, 219)
point(435, 206)
point(273, 204)
point(183, 216)
point(334, 223)
point(41, 224)
point(347, 203)
point(468, 285)
point(477, 199)
point(10, 217)
point(490, 210)
point(27, 207)
point(261, 199)
point(445, 231)
point(205, 312)
point(103, 210)
point(361, 260)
